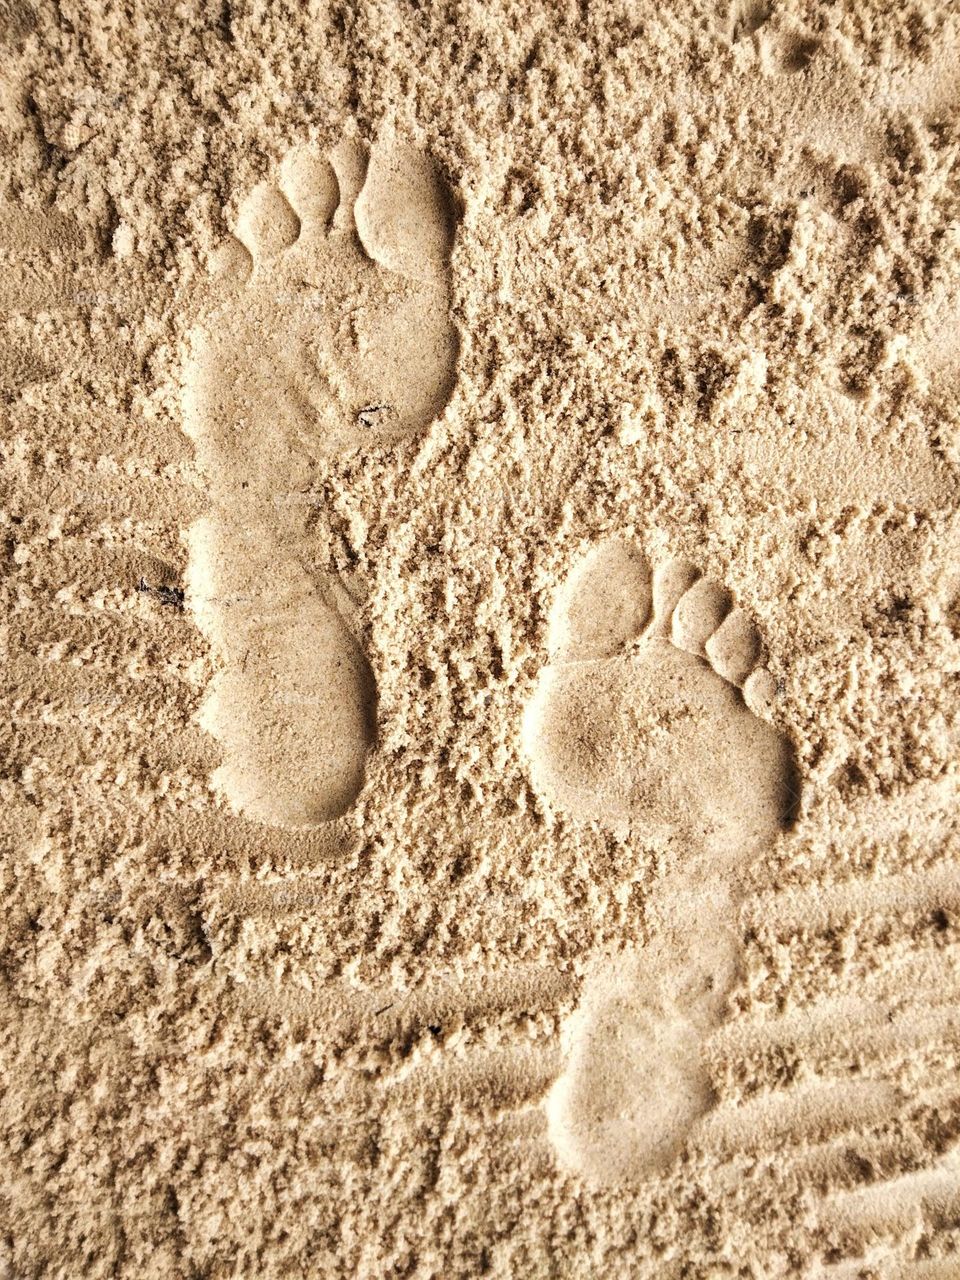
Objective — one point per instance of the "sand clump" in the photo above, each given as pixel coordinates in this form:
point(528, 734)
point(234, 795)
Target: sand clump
point(481, 620)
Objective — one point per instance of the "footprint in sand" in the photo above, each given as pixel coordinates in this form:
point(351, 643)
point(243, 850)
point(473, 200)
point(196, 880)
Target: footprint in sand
point(647, 723)
point(328, 330)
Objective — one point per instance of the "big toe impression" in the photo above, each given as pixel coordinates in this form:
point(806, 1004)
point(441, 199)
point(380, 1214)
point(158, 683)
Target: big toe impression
point(404, 214)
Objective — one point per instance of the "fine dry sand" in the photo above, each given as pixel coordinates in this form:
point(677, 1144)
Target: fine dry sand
point(481, 634)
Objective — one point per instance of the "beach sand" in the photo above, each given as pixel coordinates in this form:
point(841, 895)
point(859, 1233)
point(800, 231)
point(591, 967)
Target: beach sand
point(481, 619)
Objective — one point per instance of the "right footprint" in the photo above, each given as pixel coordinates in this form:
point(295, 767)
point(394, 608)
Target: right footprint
point(327, 330)
point(648, 722)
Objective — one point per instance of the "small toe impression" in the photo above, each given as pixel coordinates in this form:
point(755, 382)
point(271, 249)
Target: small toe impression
point(404, 214)
point(699, 613)
point(760, 692)
point(734, 648)
point(605, 605)
point(230, 262)
point(670, 583)
point(311, 186)
point(267, 224)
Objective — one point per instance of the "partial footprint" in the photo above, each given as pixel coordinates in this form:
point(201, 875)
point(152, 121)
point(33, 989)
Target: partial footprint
point(640, 721)
point(646, 723)
point(329, 330)
point(634, 1084)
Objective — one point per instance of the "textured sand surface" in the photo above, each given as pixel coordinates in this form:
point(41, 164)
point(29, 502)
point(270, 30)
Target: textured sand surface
point(481, 634)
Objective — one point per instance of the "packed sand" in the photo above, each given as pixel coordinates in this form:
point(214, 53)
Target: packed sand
point(482, 634)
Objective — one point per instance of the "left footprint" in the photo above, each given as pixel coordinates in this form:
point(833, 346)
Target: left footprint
point(328, 331)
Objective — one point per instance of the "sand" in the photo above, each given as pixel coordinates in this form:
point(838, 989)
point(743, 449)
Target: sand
point(481, 619)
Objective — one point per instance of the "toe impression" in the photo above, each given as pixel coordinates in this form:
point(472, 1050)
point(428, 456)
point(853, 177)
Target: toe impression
point(734, 648)
point(671, 582)
point(266, 224)
point(606, 605)
point(404, 214)
point(311, 187)
point(699, 612)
